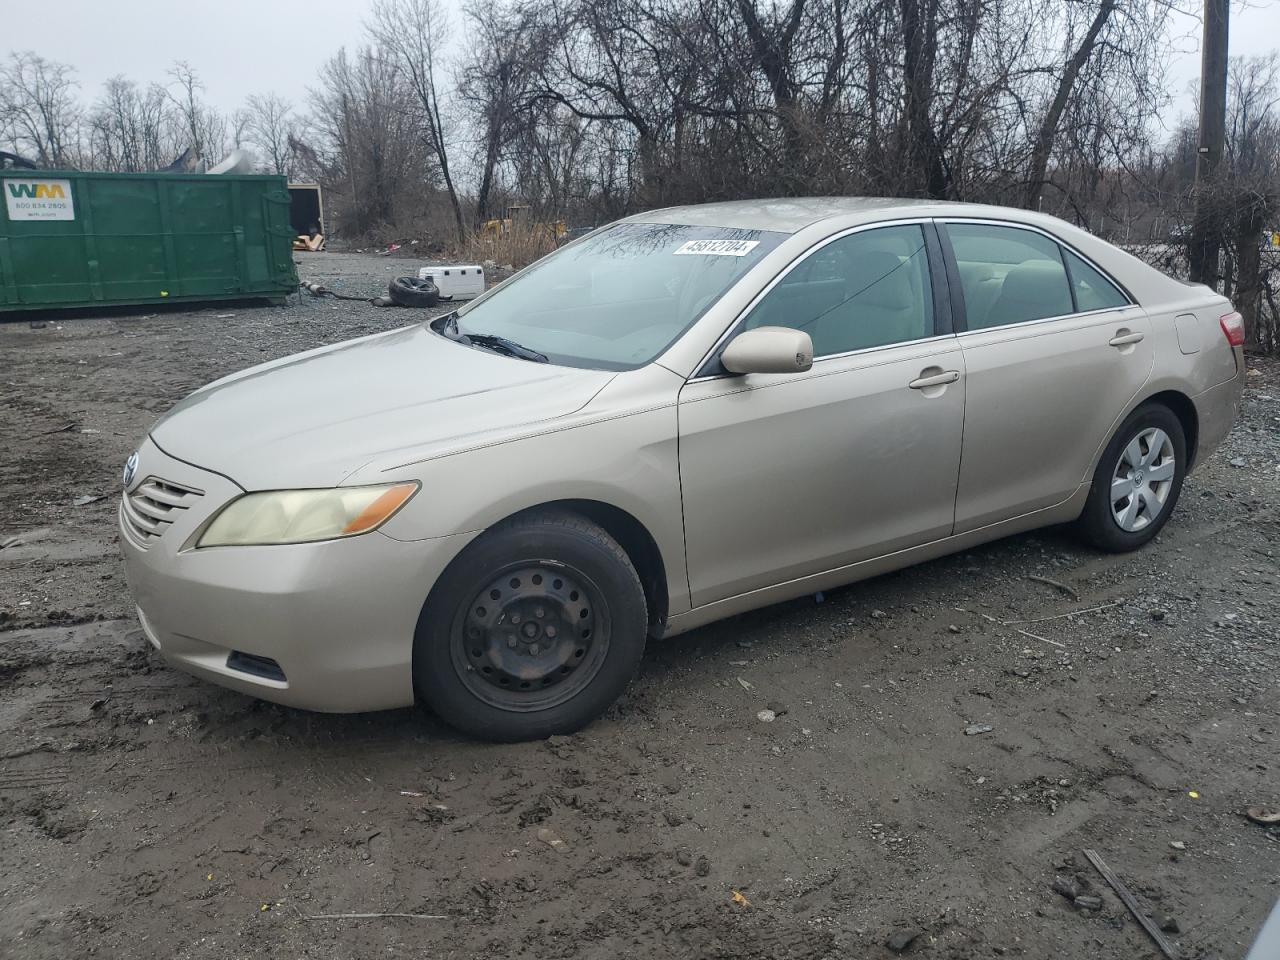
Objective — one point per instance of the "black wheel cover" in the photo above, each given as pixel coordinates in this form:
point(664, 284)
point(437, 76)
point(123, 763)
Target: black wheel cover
point(533, 635)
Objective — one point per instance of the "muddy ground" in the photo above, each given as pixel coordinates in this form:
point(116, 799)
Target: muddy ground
point(146, 814)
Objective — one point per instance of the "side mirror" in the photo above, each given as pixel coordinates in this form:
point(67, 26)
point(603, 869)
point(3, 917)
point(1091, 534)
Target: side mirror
point(769, 350)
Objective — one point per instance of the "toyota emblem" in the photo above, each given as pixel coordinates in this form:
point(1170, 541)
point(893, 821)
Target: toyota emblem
point(130, 469)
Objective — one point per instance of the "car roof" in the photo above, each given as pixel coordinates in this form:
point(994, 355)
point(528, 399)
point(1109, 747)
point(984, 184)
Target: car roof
point(793, 214)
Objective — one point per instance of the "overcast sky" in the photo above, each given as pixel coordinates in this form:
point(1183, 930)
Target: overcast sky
point(241, 47)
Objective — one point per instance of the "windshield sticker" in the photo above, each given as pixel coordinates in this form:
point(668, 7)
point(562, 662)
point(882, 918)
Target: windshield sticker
point(718, 248)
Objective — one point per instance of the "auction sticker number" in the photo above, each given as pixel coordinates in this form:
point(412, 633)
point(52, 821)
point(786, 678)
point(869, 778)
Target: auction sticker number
point(718, 248)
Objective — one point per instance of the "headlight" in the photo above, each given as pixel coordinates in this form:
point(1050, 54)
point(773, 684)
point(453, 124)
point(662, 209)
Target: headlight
point(303, 516)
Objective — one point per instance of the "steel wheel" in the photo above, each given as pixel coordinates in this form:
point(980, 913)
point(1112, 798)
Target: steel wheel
point(532, 638)
point(1142, 479)
point(476, 665)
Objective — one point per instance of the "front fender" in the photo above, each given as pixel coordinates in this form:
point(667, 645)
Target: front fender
point(625, 460)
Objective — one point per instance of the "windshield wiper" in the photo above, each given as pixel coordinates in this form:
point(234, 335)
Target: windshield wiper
point(448, 326)
point(503, 345)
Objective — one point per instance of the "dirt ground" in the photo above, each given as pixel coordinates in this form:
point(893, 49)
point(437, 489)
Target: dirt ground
point(146, 814)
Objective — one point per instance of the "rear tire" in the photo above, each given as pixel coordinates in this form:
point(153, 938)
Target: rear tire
point(535, 629)
point(1137, 481)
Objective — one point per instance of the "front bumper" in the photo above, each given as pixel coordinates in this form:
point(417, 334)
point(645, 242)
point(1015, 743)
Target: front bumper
point(338, 617)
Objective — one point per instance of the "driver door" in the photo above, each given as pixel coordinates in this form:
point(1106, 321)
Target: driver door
point(787, 475)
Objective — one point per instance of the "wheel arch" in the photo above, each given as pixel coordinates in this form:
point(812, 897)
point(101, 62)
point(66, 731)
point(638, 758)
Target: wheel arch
point(1177, 401)
point(1185, 410)
point(636, 541)
point(632, 535)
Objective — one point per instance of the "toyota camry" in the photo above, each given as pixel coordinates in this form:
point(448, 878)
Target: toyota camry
point(684, 415)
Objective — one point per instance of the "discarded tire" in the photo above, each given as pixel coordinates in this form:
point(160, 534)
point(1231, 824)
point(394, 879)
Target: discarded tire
point(413, 292)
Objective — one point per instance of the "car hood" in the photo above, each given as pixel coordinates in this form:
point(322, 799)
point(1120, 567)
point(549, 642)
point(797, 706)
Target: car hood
point(312, 419)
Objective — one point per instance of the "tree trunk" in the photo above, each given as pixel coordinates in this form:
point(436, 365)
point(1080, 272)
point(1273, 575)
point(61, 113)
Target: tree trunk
point(772, 49)
point(875, 167)
point(1248, 287)
point(486, 182)
point(495, 136)
point(442, 155)
point(1048, 131)
point(652, 181)
point(925, 172)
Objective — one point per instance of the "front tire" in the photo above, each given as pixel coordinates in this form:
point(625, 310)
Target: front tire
point(535, 629)
point(1137, 481)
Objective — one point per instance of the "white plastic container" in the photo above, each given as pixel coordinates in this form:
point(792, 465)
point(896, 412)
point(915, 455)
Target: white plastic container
point(455, 281)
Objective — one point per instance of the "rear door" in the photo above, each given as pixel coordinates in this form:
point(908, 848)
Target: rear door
point(786, 475)
point(1054, 352)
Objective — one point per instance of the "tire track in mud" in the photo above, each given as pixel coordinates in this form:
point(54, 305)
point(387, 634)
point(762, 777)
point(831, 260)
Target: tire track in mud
point(356, 765)
point(37, 716)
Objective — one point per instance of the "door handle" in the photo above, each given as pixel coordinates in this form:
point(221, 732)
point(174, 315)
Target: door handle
point(1124, 339)
point(937, 380)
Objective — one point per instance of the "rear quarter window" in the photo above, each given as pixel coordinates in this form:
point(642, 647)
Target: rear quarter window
point(1093, 290)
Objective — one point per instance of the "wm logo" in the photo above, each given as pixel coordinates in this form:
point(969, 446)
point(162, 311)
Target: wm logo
point(37, 191)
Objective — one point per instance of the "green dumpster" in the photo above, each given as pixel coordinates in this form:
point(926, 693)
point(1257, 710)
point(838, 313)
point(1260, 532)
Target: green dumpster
point(72, 239)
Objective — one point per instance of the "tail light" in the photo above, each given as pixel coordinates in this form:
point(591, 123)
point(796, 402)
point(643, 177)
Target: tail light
point(1233, 328)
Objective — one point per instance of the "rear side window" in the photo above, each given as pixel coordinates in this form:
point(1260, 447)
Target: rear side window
point(1009, 275)
point(867, 289)
point(1093, 290)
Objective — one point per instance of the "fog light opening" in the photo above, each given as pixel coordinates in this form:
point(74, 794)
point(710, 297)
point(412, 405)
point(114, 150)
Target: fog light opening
point(255, 666)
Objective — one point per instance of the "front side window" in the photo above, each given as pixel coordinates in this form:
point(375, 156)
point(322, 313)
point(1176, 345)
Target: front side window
point(1008, 275)
point(617, 300)
point(867, 289)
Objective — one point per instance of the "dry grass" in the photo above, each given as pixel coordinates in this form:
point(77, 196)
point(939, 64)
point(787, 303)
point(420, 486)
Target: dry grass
point(518, 247)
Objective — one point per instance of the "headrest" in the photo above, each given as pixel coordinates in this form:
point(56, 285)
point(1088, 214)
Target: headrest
point(976, 272)
point(1036, 281)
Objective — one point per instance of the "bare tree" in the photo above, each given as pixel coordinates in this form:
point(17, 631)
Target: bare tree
point(495, 79)
point(1249, 195)
point(1048, 128)
point(204, 128)
point(126, 127)
point(411, 33)
point(39, 110)
point(589, 109)
point(377, 160)
point(919, 45)
point(772, 36)
point(269, 125)
point(239, 123)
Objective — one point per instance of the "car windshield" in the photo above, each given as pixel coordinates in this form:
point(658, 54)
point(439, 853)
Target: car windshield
point(618, 299)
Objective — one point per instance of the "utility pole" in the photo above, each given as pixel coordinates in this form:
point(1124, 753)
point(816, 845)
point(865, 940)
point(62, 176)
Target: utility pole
point(1206, 239)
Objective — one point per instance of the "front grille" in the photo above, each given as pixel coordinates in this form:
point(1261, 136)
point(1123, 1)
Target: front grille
point(153, 506)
